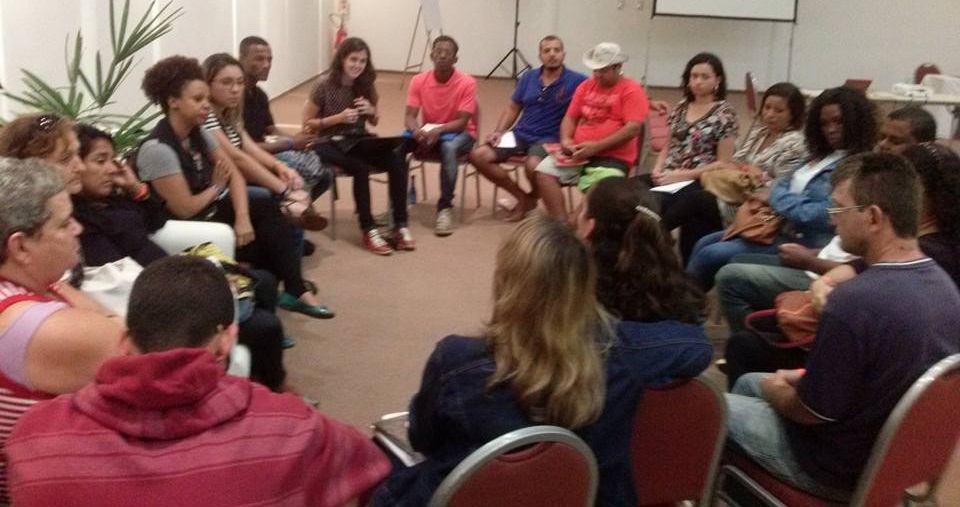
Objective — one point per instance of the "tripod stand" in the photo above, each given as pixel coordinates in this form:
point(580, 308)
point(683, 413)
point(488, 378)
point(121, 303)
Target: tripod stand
point(514, 51)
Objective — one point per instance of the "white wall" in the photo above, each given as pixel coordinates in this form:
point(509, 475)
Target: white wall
point(880, 39)
point(32, 37)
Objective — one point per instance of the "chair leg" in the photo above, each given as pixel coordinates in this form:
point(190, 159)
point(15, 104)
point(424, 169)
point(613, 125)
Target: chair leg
point(333, 209)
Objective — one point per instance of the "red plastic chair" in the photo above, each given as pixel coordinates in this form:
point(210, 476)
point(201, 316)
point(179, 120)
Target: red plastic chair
point(913, 448)
point(539, 465)
point(678, 434)
point(656, 136)
point(922, 70)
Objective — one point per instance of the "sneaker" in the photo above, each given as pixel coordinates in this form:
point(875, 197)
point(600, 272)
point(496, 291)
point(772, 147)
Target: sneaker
point(403, 240)
point(374, 242)
point(444, 224)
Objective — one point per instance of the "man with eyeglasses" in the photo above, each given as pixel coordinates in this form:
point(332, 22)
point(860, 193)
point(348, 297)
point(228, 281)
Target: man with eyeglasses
point(539, 101)
point(878, 333)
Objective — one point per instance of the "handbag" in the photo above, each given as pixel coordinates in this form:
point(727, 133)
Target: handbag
point(730, 185)
point(791, 323)
point(110, 284)
point(755, 221)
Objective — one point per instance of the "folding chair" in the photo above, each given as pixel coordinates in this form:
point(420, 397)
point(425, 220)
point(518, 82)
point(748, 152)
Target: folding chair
point(678, 435)
point(538, 465)
point(913, 448)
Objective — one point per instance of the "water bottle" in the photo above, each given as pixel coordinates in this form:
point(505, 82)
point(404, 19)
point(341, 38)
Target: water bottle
point(412, 192)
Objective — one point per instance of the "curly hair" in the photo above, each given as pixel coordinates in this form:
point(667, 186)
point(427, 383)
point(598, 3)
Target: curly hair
point(362, 86)
point(939, 170)
point(857, 115)
point(33, 135)
point(548, 333)
point(639, 275)
point(166, 78)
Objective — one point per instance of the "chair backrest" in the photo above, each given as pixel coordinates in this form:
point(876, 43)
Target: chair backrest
point(678, 435)
point(554, 467)
point(658, 132)
point(917, 440)
point(922, 70)
point(750, 90)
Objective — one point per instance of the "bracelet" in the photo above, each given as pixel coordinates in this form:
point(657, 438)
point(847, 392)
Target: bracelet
point(143, 192)
point(322, 123)
point(289, 144)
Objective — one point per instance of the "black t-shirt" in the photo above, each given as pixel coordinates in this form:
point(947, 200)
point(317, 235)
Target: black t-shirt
point(878, 333)
point(945, 251)
point(256, 113)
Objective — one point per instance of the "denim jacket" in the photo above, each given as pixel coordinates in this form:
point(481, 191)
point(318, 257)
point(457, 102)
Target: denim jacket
point(454, 413)
point(806, 213)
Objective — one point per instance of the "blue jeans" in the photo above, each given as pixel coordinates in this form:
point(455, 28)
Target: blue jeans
point(757, 428)
point(746, 287)
point(450, 151)
point(711, 253)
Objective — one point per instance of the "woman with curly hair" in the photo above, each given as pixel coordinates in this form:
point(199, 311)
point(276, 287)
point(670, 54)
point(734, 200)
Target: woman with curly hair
point(198, 181)
point(840, 122)
point(550, 355)
point(343, 101)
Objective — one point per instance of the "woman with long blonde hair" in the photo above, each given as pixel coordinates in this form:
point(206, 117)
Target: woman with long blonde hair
point(550, 354)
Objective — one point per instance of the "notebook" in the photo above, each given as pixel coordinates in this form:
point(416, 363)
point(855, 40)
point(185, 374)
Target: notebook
point(391, 432)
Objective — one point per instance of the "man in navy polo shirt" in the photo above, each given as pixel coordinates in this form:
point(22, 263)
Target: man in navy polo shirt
point(879, 331)
point(542, 96)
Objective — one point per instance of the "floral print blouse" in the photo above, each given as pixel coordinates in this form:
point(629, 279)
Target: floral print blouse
point(695, 144)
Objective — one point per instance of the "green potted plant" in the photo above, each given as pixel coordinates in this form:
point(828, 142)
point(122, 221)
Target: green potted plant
point(85, 97)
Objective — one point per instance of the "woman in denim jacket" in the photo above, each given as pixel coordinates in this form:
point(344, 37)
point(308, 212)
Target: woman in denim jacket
point(840, 122)
point(551, 354)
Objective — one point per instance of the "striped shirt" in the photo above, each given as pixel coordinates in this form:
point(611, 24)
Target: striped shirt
point(213, 122)
point(15, 399)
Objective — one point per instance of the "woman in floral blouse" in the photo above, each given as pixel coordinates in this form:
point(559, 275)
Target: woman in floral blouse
point(703, 130)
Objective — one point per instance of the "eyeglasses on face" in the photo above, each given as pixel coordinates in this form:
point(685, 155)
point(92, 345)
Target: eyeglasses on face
point(841, 209)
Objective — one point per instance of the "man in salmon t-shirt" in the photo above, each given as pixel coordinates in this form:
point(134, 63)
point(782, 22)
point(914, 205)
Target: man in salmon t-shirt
point(599, 129)
point(447, 100)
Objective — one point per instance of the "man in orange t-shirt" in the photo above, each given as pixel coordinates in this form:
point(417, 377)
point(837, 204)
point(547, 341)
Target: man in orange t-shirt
point(446, 101)
point(600, 127)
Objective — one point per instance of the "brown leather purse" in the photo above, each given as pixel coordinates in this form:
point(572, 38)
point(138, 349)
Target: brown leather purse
point(755, 221)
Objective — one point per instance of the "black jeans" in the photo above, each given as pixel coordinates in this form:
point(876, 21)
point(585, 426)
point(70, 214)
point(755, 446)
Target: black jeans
point(746, 352)
point(275, 247)
point(360, 165)
point(262, 333)
point(692, 209)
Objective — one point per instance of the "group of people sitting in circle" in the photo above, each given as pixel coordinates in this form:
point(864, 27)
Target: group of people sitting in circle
point(589, 309)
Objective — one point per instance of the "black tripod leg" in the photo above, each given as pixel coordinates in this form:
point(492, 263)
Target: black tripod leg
point(501, 62)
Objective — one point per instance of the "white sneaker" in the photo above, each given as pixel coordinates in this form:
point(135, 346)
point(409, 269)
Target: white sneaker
point(444, 224)
point(374, 242)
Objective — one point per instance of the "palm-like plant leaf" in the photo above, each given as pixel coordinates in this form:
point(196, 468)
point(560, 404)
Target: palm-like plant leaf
point(84, 98)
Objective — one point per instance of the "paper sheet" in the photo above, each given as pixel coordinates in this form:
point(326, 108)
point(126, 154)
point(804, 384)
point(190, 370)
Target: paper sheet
point(671, 188)
point(507, 140)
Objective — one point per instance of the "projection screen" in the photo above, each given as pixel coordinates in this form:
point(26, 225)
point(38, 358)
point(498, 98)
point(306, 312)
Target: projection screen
point(761, 10)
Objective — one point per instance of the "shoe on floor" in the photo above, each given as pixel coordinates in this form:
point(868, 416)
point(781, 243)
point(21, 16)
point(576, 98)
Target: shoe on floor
point(402, 239)
point(373, 241)
point(309, 247)
point(291, 303)
point(444, 224)
point(288, 342)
